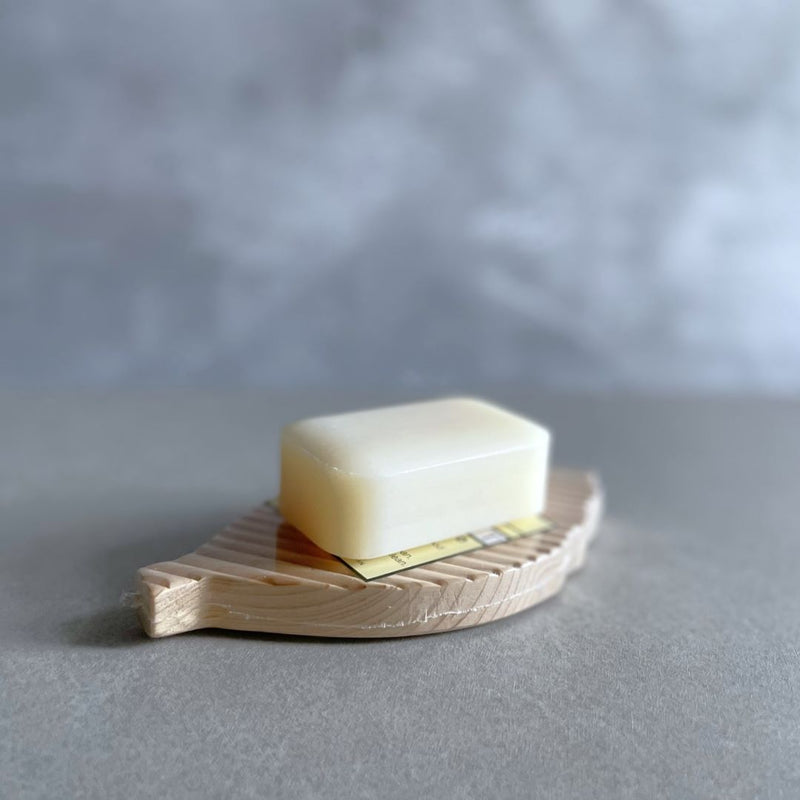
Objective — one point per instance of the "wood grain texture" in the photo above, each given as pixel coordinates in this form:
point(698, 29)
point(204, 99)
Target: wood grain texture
point(260, 574)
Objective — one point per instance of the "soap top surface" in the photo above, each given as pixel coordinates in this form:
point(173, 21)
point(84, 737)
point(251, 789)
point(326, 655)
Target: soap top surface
point(416, 436)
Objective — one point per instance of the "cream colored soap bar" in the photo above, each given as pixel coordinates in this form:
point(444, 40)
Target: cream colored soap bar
point(370, 483)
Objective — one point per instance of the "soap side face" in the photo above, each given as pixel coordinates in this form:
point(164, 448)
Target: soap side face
point(331, 507)
point(453, 499)
point(463, 479)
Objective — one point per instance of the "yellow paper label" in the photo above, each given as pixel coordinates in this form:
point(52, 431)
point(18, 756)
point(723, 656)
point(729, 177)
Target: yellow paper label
point(380, 567)
point(525, 526)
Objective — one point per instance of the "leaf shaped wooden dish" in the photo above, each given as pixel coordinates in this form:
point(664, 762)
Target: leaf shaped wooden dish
point(260, 574)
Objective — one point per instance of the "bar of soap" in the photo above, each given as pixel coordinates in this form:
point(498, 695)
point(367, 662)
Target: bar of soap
point(370, 483)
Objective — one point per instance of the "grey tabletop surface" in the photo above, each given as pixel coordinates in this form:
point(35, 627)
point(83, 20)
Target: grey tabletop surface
point(668, 667)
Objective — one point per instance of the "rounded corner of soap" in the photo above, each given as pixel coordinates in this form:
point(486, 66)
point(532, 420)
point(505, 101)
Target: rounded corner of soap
point(543, 435)
point(289, 432)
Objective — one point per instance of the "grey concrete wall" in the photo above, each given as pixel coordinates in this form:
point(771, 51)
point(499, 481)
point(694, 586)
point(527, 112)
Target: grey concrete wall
point(584, 193)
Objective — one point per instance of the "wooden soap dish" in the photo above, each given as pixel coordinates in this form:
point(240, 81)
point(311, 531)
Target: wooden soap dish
point(260, 574)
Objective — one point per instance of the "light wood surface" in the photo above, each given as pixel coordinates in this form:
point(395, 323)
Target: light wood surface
point(259, 574)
